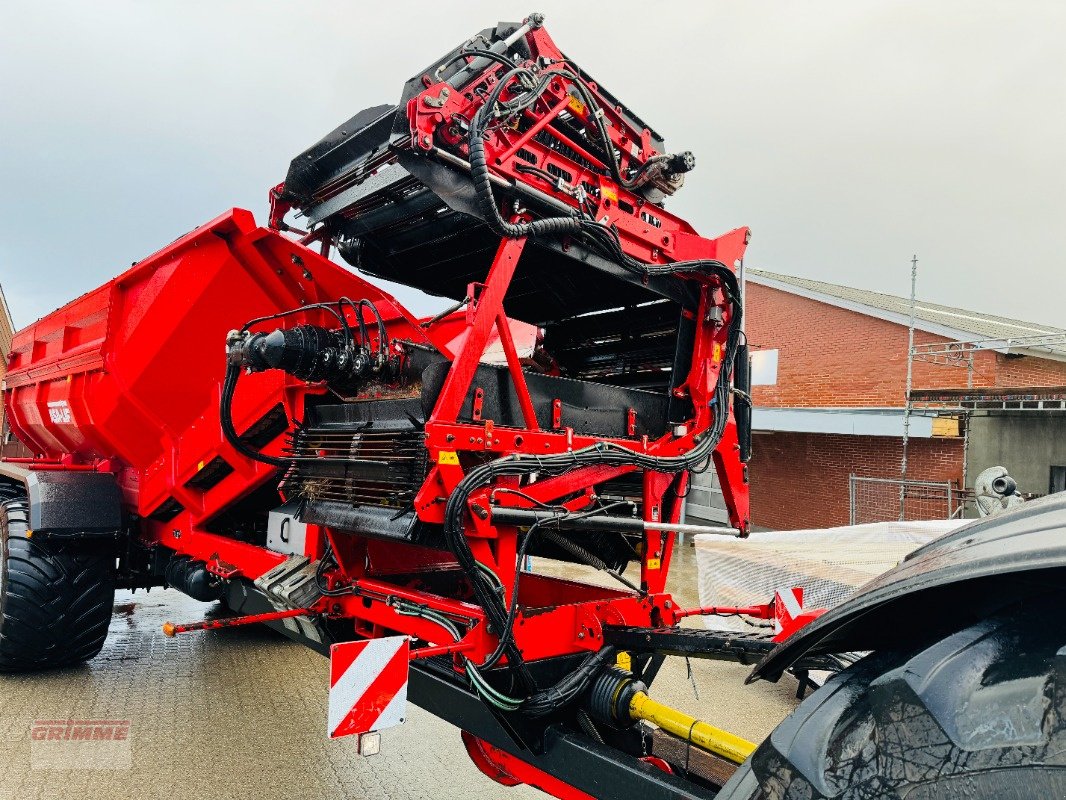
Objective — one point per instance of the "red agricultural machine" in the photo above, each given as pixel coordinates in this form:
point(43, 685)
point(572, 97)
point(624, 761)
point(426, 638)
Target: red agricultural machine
point(243, 419)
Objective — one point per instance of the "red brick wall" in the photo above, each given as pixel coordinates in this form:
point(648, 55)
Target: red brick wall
point(829, 356)
point(16, 448)
point(800, 480)
point(1027, 371)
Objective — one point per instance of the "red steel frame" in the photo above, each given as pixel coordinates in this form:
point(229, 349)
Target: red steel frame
point(574, 622)
point(561, 617)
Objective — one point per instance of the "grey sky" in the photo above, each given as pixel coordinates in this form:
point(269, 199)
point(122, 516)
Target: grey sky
point(848, 135)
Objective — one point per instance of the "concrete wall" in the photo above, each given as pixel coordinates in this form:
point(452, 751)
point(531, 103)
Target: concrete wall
point(1027, 444)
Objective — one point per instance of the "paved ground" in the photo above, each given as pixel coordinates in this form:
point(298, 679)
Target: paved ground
point(241, 714)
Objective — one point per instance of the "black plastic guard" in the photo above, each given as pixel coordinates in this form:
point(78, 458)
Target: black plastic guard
point(943, 586)
point(67, 502)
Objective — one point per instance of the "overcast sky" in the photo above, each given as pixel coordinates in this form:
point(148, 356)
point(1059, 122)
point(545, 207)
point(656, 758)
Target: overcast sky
point(847, 135)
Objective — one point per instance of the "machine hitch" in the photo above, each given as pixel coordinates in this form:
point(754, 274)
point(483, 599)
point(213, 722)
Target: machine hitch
point(170, 629)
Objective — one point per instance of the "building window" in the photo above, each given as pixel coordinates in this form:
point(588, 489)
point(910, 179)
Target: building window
point(1058, 480)
point(764, 368)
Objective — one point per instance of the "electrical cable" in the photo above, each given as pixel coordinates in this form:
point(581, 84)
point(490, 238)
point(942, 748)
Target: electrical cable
point(488, 589)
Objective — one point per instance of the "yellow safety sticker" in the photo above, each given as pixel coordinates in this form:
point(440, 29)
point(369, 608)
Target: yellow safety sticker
point(608, 193)
point(576, 105)
point(654, 563)
point(448, 457)
point(200, 466)
point(716, 353)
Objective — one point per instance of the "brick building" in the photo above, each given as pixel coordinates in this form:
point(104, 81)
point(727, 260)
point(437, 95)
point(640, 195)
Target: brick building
point(830, 365)
point(7, 330)
point(8, 445)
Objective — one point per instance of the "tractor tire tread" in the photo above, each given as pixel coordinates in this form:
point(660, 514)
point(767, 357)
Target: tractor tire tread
point(981, 713)
point(56, 601)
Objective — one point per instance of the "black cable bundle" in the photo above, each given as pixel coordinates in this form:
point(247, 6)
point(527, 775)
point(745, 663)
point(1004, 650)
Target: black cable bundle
point(605, 239)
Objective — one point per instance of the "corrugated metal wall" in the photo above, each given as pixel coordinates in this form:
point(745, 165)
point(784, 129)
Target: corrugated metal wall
point(705, 502)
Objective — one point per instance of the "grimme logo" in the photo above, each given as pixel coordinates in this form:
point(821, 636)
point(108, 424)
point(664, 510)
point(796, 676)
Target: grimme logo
point(80, 744)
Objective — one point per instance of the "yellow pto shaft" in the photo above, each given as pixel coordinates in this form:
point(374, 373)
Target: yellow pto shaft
point(700, 734)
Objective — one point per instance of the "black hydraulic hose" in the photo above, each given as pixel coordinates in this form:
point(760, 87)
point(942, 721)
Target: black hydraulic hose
point(479, 173)
point(323, 306)
point(364, 334)
point(225, 414)
point(569, 688)
point(383, 336)
point(357, 308)
point(601, 453)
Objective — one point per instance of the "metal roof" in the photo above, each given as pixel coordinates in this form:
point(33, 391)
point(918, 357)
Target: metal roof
point(958, 324)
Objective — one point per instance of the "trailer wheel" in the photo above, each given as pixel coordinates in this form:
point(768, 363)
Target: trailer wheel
point(980, 714)
point(55, 601)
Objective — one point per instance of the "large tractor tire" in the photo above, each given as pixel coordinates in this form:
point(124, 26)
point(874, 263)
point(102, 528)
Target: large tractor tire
point(56, 600)
point(980, 715)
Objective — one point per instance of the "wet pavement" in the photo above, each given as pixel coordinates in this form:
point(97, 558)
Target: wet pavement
point(241, 713)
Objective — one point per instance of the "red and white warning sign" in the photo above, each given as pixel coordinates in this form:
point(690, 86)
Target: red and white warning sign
point(368, 685)
point(788, 606)
point(789, 614)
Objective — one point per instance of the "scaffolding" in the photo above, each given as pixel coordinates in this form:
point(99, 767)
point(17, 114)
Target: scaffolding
point(961, 354)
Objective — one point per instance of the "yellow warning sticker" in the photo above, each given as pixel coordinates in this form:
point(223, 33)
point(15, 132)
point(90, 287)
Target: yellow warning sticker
point(576, 105)
point(200, 466)
point(608, 193)
point(716, 353)
point(448, 457)
point(654, 563)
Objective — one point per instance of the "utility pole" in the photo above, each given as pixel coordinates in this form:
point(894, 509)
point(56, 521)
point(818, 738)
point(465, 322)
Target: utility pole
point(907, 398)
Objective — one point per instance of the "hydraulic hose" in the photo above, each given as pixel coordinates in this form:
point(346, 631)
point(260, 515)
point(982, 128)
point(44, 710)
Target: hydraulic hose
point(229, 385)
point(479, 172)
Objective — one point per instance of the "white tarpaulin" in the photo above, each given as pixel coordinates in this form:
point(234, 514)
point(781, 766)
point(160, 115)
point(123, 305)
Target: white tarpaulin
point(829, 563)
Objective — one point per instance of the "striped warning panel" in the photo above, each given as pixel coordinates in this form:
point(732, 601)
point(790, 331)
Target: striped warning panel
point(367, 685)
point(788, 606)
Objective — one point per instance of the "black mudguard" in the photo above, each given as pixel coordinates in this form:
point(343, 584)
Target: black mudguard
point(73, 502)
point(942, 587)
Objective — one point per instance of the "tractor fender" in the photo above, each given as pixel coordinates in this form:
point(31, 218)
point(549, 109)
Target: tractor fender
point(73, 502)
point(942, 587)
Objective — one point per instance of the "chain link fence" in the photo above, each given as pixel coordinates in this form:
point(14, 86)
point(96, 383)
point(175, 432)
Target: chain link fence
point(892, 499)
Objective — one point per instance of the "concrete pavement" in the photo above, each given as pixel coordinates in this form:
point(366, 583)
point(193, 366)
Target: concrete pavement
point(242, 714)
